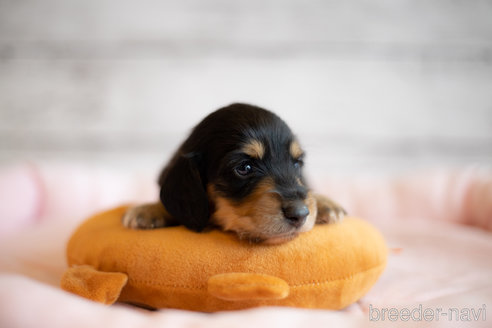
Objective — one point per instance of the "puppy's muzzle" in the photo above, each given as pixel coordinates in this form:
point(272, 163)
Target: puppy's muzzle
point(295, 213)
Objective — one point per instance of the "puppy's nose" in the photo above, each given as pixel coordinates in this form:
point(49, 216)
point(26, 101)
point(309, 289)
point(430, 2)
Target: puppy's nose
point(296, 213)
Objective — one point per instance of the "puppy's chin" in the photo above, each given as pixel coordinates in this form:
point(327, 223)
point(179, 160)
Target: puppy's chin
point(259, 236)
point(275, 240)
point(264, 239)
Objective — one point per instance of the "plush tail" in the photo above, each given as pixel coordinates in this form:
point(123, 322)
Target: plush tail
point(103, 287)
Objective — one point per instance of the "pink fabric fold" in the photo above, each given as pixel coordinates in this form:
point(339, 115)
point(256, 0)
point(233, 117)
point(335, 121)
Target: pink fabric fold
point(460, 196)
point(35, 194)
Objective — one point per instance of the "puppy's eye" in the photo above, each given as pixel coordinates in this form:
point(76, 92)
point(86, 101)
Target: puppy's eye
point(244, 169)
point(298, 163)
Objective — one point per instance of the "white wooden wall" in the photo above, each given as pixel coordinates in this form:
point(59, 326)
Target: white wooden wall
point(369, 86)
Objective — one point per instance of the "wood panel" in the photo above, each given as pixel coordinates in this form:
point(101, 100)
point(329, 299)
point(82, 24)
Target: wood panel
point(377, 85)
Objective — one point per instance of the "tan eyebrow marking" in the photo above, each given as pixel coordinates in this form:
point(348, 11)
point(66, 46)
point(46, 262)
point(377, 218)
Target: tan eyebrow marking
point(295, 150)
point(254, 148)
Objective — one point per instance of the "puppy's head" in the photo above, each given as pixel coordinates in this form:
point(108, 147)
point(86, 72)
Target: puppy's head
point(241, 169)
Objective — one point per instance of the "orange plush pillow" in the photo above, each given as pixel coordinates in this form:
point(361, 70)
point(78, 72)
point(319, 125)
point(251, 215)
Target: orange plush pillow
point(328, 267)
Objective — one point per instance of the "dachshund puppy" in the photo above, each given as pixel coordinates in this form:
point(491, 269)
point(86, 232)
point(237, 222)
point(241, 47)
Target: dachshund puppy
point(240, 170)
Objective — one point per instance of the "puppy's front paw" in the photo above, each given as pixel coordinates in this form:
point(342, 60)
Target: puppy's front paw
point(328, 210)
point(144, 217)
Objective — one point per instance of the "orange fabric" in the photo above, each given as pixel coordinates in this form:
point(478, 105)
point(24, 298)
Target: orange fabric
point(247, 286)
point(328, 267)
point(84, 280)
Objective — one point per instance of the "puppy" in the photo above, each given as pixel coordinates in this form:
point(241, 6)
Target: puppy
point(240, 170)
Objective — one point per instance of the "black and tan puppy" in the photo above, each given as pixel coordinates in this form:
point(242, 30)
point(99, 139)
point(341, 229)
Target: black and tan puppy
point(240, 170)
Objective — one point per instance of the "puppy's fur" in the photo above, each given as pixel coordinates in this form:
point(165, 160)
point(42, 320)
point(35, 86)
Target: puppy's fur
point(240, 170)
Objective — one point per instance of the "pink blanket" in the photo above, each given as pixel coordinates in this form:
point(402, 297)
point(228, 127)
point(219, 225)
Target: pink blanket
point(438, 225)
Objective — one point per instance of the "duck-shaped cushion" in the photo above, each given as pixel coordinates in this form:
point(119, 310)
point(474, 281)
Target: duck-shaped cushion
point(329, 267)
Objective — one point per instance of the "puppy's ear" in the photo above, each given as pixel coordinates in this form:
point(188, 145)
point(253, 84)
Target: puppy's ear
point(183, 192)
